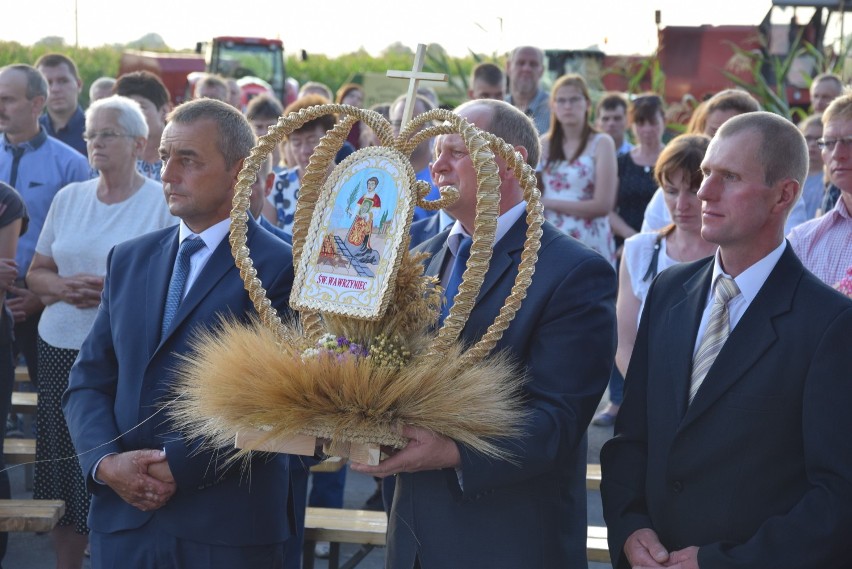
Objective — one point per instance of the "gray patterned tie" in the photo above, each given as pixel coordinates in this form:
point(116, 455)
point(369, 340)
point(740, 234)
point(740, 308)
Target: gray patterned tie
point(718, 328)
point(178, 282)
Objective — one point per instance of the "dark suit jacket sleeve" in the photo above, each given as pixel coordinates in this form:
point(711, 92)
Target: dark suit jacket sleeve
point(815, 533)
point(90, 399)
point(192, 468)
point(570, 342)
point(624, 458)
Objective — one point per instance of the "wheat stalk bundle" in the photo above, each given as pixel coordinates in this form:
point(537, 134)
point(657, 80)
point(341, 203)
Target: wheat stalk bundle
point(357, 380)
point(239, 376)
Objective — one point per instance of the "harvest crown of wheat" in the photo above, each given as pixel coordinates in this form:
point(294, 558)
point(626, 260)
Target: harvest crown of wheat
point(364, 352)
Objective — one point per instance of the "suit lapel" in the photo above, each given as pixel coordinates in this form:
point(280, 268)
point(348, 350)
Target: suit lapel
point(437, 248)
point(160, 265)
point(681, 346)
point(753, 335)
point(504, 256)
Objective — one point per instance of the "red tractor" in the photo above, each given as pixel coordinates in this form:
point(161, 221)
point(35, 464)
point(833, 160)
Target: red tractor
point(256, 63)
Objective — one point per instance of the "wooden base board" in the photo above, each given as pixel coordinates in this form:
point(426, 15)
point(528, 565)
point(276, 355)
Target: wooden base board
point(365, 454)
point(295, 444)
point(306, 445)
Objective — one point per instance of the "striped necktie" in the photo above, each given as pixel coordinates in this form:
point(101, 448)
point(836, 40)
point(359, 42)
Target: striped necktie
point(718, 328)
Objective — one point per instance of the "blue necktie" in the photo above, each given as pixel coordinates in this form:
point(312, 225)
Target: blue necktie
point(455, 279)
point(181, 271)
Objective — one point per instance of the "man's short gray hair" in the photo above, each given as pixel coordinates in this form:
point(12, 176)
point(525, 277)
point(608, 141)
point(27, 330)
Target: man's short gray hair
point(36, 83)
point(511, 125)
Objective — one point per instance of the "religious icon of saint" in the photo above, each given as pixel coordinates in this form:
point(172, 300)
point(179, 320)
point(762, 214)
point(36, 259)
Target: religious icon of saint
point(362, 226)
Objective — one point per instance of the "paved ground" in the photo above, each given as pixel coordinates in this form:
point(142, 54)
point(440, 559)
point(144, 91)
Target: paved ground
point(31, 551)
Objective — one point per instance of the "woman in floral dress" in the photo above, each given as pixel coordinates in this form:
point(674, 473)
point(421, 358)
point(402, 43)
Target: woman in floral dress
point(579, 174)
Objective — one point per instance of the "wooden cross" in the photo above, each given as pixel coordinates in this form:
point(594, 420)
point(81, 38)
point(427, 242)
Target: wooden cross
point(415, 76)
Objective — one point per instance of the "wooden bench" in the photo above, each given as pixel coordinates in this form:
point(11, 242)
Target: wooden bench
point(597, 549)
point(21, 374)
point(593, 476)
point(368, 529)
point(30, 515)
point(333, 464)
point(24, 402)
point(336, 526)
point(19, 451)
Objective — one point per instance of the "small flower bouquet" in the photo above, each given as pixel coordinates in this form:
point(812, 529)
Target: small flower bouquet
point(338, 347)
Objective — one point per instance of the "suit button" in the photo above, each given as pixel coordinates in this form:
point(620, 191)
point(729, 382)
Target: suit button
point(677, 486)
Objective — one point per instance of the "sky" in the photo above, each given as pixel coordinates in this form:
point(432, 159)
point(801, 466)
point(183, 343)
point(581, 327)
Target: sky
point(494, 27)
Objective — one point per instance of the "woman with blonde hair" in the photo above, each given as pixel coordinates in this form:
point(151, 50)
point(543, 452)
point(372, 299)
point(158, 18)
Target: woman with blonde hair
point(578, 169)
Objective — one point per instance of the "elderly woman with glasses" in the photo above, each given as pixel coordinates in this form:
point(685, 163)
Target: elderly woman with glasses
point(85, 220)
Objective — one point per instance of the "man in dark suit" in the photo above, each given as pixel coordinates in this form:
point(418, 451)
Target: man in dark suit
point(731, 448)
point(158, 501)
point(425, 229)
point(453, 508)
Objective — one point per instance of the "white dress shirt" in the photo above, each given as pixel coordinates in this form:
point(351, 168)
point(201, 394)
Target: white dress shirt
point(211, 236)
point(457, 233)
point(750, 281)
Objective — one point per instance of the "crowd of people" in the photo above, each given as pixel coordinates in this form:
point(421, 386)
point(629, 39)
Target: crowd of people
point(692, 275)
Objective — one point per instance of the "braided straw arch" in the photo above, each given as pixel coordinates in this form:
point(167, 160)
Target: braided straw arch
point(482, 147)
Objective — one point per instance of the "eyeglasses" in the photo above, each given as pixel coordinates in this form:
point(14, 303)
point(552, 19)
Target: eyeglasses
point(105, 135)
point(830, 143)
